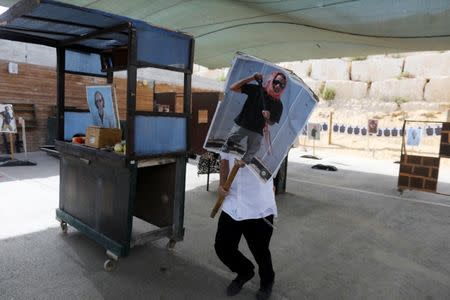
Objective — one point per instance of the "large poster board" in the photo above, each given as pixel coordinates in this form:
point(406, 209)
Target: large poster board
point(102, 106)
point(241, 124)
point(7, 119)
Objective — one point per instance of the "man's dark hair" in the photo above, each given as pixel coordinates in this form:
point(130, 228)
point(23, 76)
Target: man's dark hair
point(284, 76)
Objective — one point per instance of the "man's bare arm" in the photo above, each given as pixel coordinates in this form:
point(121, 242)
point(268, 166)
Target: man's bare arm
point(236, 87)
point(266, 115)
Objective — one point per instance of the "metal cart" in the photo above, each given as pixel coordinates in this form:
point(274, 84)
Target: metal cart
point(102, 192)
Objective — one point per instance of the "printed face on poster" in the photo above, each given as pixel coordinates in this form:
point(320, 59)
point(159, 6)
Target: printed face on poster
point(7, 119)
point(373, 126)
point(102, 106)
point(314, 131)
point(264, 109)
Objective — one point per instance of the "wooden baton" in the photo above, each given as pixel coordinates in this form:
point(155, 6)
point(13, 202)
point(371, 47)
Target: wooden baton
point(11, 144)
point(225, 187)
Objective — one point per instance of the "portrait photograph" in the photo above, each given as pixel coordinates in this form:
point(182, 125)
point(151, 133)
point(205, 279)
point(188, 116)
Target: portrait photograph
point(373, 126)
point(7, 119)
point(102, 106)
point(264, 109)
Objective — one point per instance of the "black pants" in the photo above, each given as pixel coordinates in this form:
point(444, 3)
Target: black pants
point(257, 233)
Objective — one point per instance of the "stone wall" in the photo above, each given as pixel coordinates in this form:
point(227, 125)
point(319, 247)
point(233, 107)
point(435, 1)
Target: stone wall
point(428, 65)
point(438, 90)
point(388, 88)
point(409, 89)
point(330, 69)
point(346, 89)
point(413, 77)
point(376, 69)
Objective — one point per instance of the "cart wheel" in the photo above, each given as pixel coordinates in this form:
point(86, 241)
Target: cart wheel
point(171, 244)
point(110, 265)
point(63, 226)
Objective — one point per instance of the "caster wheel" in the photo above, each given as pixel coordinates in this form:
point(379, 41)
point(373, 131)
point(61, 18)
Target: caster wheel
point(63, 226)
point(110, 265)
point(400, 191)
point(171, 245)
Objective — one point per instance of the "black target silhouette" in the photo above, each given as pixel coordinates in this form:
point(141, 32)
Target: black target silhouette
point(394, 131)
point(438, 130)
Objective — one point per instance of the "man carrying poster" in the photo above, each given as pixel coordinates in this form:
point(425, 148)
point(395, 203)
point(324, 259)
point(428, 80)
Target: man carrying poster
point(278, 109)
point(263, 107)
point(248, 211)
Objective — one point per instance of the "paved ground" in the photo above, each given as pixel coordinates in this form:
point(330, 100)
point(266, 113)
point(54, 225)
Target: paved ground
point(340, 235)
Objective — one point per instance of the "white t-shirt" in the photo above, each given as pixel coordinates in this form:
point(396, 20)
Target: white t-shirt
point(249, 197)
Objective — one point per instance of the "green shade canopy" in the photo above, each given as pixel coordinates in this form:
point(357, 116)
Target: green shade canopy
point(278, 30)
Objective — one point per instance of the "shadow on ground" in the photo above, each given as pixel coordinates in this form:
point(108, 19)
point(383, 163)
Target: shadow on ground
point(339, 235)
point(52, 265)
point(31, 172)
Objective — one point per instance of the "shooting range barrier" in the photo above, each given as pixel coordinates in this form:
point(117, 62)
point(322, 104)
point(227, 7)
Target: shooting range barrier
point(421, 172)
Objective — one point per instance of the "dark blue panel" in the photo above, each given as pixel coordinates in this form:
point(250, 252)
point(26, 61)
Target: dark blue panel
point(158, 135)
point(59, 11)
point(76, 122)
point(101, 44)
point(49, 26)
point(54, 37)
point(163, 48)
point(83, 62)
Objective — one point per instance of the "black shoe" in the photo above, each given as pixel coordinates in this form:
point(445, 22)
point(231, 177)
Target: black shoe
point(264, 292)
point(236, 285)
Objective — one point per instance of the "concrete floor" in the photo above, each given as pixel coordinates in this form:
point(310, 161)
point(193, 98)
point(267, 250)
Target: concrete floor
point(340, 235)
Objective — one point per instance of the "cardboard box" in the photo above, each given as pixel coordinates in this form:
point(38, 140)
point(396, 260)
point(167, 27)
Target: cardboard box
point(98, 137)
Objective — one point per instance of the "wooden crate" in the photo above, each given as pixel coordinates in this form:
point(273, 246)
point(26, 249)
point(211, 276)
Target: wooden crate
point(98, 137)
